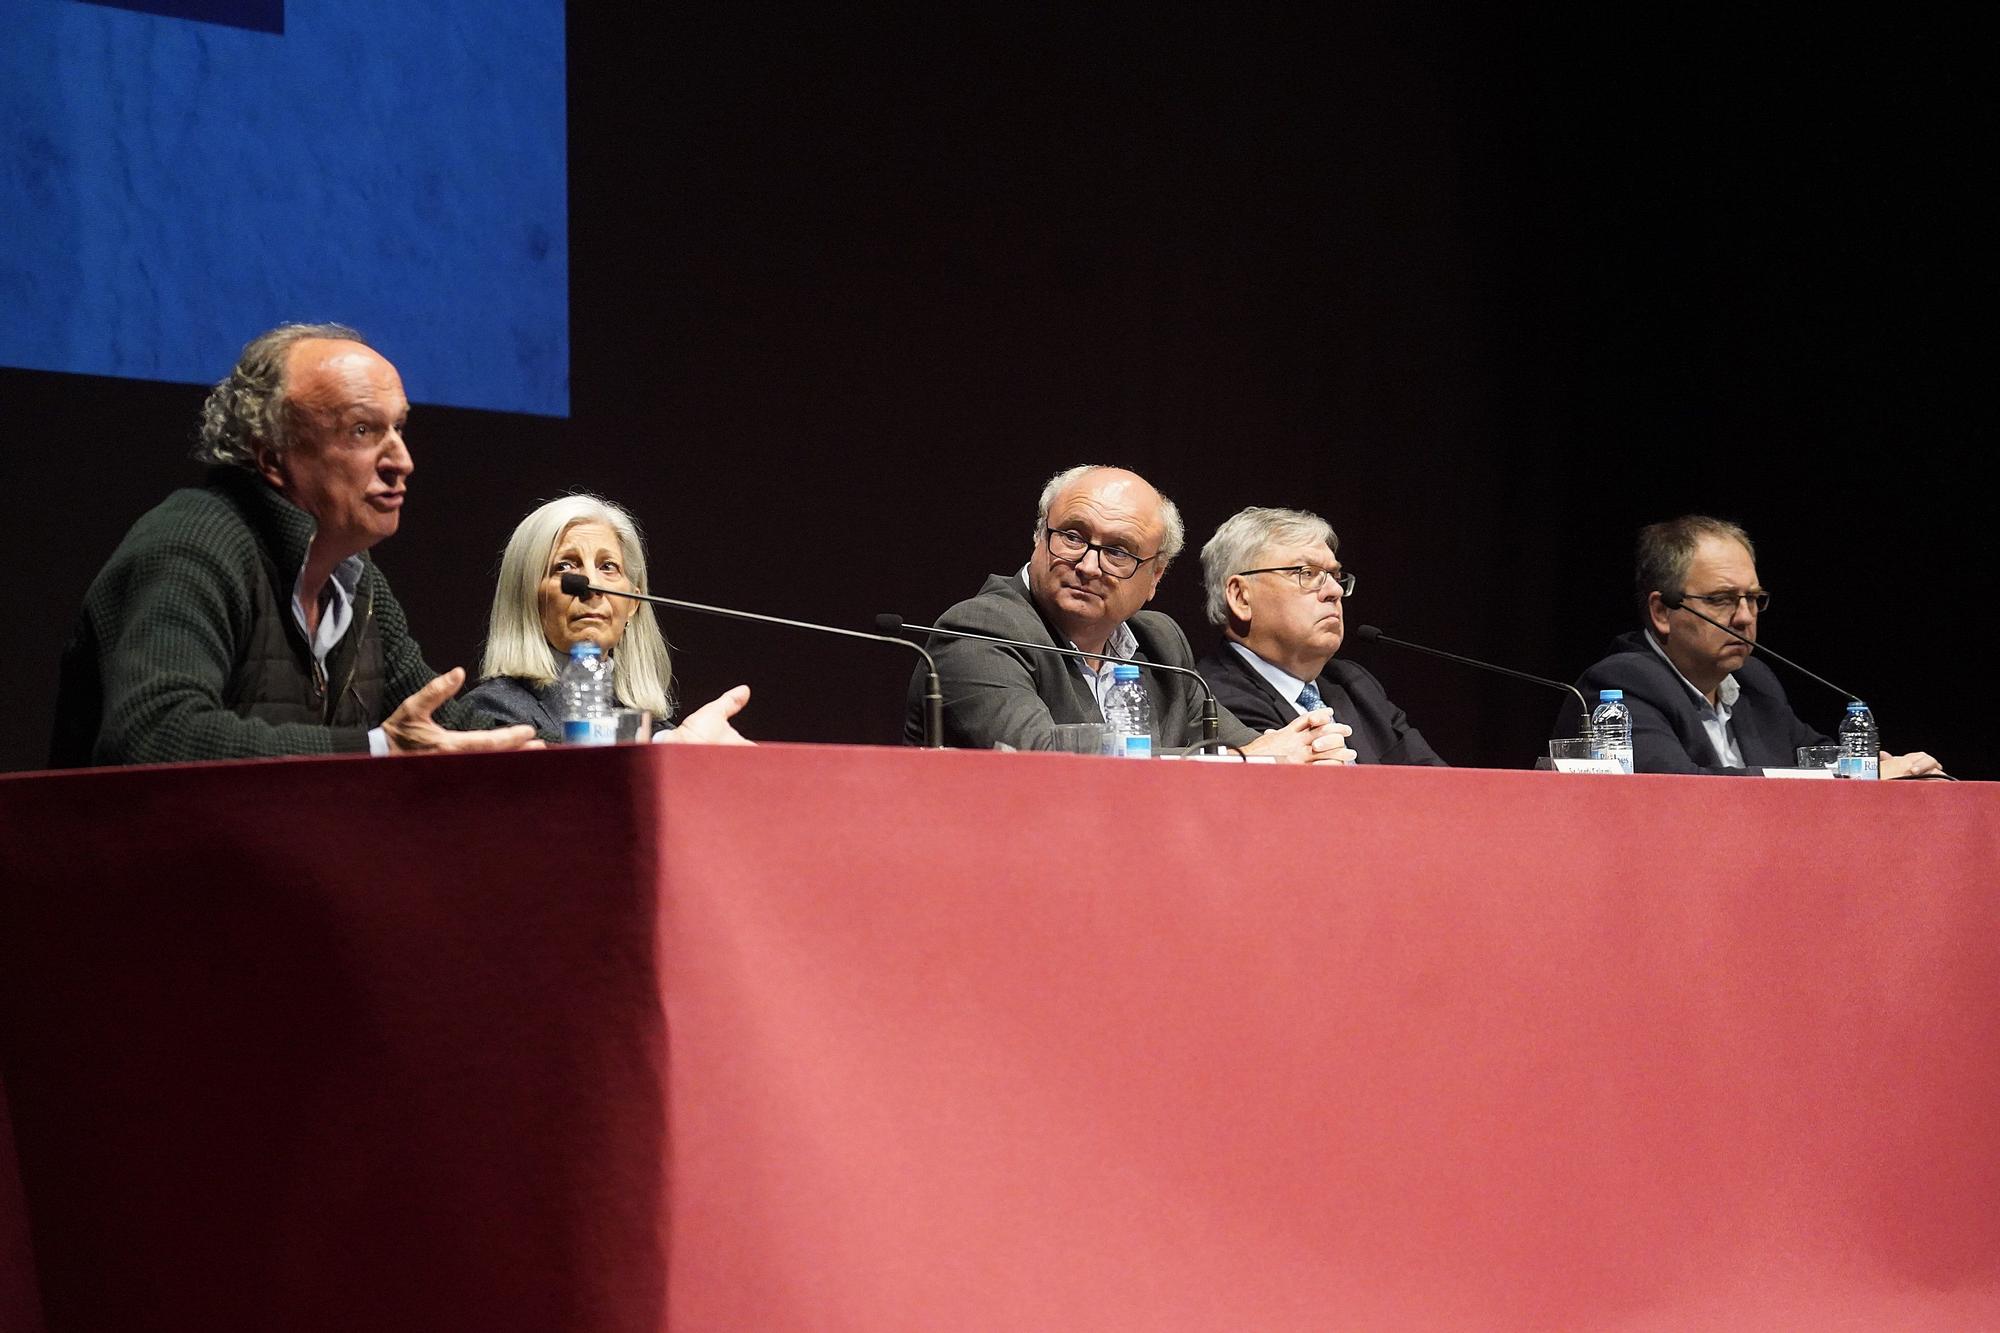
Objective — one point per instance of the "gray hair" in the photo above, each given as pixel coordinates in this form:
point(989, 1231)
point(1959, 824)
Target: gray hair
point(249, 406)
point(1661, 557)
point(642, 673)
point(1242, 536)
point(1173, 533)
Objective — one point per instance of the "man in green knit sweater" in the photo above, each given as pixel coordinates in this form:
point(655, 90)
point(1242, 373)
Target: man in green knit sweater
point(244, 617)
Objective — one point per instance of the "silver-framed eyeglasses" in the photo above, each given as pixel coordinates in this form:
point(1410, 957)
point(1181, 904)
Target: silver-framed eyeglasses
point(1724, 603)
point(1070, 547)
point(1310, 578)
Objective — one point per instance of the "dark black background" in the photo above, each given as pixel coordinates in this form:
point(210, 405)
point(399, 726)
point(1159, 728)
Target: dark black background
point(1487, 291)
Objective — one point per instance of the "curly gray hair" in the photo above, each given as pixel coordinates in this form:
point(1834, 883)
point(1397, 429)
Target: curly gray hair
point(248, 406)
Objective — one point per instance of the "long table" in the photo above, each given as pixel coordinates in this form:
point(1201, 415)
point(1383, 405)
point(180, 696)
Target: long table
point(833, 1038)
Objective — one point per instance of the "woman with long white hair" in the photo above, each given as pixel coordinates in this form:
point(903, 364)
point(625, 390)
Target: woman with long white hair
point(535, 623)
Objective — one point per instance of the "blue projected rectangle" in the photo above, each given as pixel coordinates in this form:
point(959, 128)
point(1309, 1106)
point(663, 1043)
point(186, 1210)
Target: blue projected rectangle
point(263, 15)
point(173, 183)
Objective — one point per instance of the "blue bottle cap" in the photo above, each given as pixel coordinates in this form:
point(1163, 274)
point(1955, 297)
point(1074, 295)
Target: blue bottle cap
point(1606, 696)
point(1856, 706)
point(584, 648)
point(1124, 671)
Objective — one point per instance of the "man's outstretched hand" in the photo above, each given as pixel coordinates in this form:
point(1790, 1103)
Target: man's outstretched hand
point(709, 724)
point(411, 731)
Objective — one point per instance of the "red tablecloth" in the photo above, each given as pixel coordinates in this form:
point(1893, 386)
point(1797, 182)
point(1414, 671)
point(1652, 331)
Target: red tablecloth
point(832, 1038)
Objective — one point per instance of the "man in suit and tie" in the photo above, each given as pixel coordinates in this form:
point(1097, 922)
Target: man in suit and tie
point(1103, 538)
point(1278, 592)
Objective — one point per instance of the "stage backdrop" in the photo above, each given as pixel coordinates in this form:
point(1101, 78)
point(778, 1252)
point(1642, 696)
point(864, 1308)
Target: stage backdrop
point(1488, 291)
point(178, 174)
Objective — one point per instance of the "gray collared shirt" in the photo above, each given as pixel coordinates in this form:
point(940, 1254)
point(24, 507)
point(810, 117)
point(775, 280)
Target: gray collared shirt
point(1123, 643)
point(338, 616)
point(334, 622)
point(1714, 717)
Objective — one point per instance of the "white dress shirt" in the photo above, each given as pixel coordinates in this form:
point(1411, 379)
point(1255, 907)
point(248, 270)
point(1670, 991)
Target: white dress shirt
point(1714, 717)
point(1284, 682)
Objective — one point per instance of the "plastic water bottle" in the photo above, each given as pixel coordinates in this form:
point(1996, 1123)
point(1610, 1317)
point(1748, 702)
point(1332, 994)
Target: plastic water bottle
point(589, 705)
point(1128, 715)
point(1860, 744)
point(1611, 729)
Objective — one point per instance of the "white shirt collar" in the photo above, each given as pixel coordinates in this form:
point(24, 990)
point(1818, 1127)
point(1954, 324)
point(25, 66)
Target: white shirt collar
point(1725, 693)
point(1123, 642)
point(1284, 682)
point(1714, 718)
point(339, 612)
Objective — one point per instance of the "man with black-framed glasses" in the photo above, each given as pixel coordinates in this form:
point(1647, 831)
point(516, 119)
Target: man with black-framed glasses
point(1103, 538)
point(1278, 592)
point(1700, 702)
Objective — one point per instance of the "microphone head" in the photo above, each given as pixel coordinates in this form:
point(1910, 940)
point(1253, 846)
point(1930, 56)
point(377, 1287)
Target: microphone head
point(1365, 633)
point(889, 622)
point(1672, 600)
point(576, 585)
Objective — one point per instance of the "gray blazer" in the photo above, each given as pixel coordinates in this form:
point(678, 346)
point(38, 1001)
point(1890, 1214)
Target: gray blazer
point(995, 695)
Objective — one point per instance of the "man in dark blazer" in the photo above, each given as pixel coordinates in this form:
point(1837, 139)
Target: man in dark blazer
point(1670, 720)
point(1700, 703)
point(1103, 538)
point(1277, 592)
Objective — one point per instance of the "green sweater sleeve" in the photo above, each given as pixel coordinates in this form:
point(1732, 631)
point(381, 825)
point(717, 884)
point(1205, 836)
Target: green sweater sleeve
point(166, 614)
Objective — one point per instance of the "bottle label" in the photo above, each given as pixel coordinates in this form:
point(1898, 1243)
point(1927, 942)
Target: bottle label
point(1136, 747)
point(590, 731)
point(1865, 766)
point(1612, 748)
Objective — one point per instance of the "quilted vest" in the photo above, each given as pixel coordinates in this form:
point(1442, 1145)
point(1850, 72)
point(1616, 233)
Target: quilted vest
point(276, 678)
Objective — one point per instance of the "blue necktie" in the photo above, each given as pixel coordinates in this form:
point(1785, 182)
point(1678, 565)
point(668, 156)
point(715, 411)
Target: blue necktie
point(1309, 697)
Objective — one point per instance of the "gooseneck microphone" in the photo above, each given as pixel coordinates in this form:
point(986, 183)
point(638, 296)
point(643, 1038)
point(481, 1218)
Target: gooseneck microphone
point(1211, 714)
point(577, 585)
point(1675, 601)
point(1370, 634)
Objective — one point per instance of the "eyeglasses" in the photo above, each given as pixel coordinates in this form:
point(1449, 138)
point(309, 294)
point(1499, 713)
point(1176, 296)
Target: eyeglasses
point(1070, 547)
point(1310, 578)
point(1725, 602)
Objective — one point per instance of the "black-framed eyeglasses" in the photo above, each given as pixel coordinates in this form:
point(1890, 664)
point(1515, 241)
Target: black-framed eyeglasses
point(1724, 603)
point(1071, 547)
point(1310, 578)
